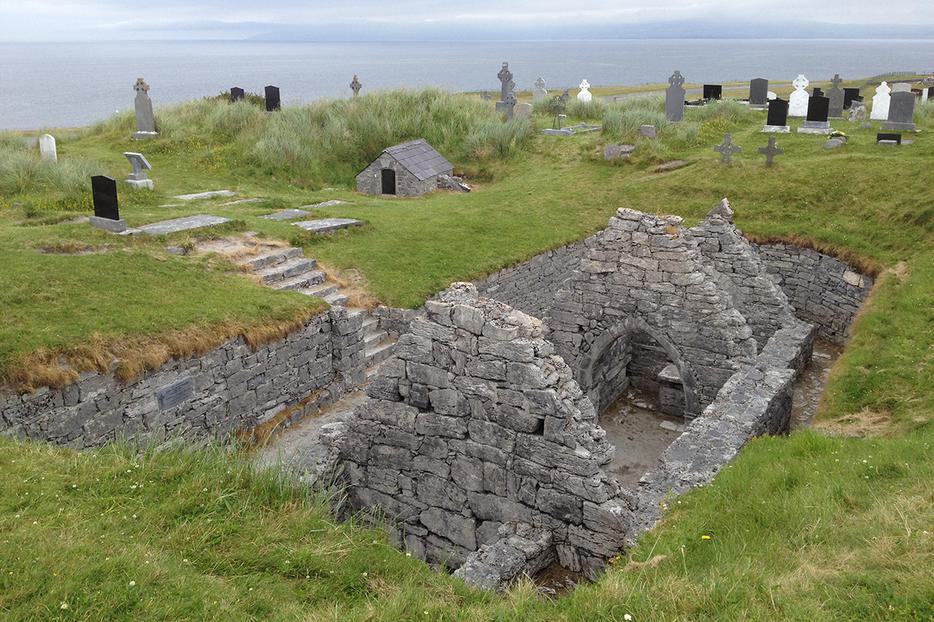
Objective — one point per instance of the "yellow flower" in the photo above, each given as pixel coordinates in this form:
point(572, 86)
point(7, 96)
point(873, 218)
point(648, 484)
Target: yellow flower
point(705, 537)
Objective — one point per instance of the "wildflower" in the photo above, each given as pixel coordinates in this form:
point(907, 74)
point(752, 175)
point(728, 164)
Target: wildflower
point(63, 606)
point(627, 617)
point(132, 583)
point(705, 537)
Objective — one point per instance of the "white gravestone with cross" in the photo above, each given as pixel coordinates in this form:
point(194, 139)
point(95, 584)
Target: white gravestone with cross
point(539, 93)
point(139, 178)
point(585, 95)
point(880, 103)
point(47, 149)
point(798, 102)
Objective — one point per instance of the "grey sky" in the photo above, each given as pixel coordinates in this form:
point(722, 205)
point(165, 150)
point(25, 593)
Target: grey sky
point(129, 19)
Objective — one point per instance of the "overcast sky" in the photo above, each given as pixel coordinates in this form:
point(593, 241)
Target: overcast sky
point(71, 20)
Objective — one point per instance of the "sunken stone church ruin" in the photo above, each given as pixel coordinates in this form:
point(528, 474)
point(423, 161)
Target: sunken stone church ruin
point(480, 439)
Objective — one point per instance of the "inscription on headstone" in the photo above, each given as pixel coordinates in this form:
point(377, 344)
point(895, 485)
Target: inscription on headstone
point(175, 394)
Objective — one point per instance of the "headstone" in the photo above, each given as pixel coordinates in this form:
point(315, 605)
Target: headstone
point(522, 111)
point(145, 118)
point(485, 96)
point(901, 87)
point(355, 85)
point(880, 103)
point(584, 95)
point(617, 152)
point(817, 118)
point(539, 92)
point(273, 100)
point(849, 96)
point(836, 96)
point(506, 83)
point(772, 95)
point(858, 112)
point(835, 143)
point(138, 177)
point(777, 120)
point(817, 92)
point(727, 149)
point(674, 98)
point(648, 131)
point(507, 107)
point(798, 102)
point(48, 151)
point(889, 138)
point(758, 92)
point(713, 92)
point(106, 207)
point(237, 95)
point(901, 112)
point(770, 151)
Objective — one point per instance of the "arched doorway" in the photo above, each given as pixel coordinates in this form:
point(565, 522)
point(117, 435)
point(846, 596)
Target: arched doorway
point(388, 181)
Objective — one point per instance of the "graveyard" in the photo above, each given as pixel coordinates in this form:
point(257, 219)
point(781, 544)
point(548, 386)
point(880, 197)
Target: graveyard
point(832, 521)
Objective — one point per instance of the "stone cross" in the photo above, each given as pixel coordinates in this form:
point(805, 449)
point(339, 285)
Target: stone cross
point(355, 85)
point(798, 101)
point(835, 94)
point(585, 95)
point(139, 178)
point(508, 106)
point(539, 93)
point(47, 148)
point(727, 149)
point(145, 119)
point(674, 97)
point(505, 78)
point(770, 151)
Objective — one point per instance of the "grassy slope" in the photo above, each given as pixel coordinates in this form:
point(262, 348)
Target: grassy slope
point(805, 527)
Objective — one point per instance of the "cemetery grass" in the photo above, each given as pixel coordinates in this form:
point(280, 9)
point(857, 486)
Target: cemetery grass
point(825, 524)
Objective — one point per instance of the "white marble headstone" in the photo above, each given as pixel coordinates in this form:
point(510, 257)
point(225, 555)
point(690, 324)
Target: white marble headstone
point(880, 103)
point(798, 102)
point(47, 148)
point(585, 95)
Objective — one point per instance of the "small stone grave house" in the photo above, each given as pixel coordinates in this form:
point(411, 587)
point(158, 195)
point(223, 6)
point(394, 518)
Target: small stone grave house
point(410, 169)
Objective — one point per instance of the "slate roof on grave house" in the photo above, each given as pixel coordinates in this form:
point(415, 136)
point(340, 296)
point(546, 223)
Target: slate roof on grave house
point(420, 159)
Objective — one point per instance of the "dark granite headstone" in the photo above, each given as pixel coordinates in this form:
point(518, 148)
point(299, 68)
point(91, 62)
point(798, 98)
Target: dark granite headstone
point(901, 112)
point(778, 113)
point(273, 102)
point(897, 138)
point(849, 95)
point(817, 92)
point(237, 94)
point(758, 92)
point(818, 108)
point(931, 93)
point(104, 190)
point(713, 91)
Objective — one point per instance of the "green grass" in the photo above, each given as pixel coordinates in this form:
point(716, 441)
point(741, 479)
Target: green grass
point(806, 527)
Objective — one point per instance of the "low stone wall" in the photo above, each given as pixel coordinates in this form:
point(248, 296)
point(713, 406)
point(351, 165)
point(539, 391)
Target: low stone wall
point(531, 285)
point(229, 389)
point(822, 289)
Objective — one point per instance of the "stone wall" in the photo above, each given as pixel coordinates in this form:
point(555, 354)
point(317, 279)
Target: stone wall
point(229, 389)
point(475, 429)
point(822, 289)
point(370, 180)
point(530, 286)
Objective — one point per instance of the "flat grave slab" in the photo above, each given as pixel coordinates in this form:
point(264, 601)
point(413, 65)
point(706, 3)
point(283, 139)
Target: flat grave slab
point(242, 202)
point(182, 224)
point(331, 203)
point(324, 225)
point(200, 196)
point(287, 214)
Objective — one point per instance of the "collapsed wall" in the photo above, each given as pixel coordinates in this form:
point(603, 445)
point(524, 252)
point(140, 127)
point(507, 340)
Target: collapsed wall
point(475, 431)
point(229, 389)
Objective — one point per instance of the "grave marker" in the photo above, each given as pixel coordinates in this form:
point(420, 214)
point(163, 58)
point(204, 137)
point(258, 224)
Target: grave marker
point(138, 177)
point(758, 92)
point(836, 98)
point(777, 120)
point(273, 100)
point(880, 103)
point(237, 95)
point(817, 117)
point(175, 394)
point(770, 151)
point(539, 92)
point(713, 92)
point(506, 83)
point(883, 138)
point(106, 206)
point(48, 150)
point(585, 95)
point(901, 112)
point(727, 149)
point(849, 96)
point(145, 118)
point(674, 98)
point(355, 85)
point(798, 102)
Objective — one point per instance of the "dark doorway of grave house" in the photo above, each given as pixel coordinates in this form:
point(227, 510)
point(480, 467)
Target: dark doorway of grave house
point(389, 181)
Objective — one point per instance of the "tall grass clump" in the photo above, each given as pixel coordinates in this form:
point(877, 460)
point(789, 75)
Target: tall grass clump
point(623, 119)
point(586, 111)
point(23, 172)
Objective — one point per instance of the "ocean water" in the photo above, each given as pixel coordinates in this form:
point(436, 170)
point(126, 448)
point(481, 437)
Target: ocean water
point(74, 84)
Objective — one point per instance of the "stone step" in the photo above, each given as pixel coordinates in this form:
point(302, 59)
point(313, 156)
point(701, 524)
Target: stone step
point(272, 258)
point(304, 281)
point(320, 291)
point(379, 353)
point(370, 323)
point(286, 270)
point(374, 338)
point(336, 299)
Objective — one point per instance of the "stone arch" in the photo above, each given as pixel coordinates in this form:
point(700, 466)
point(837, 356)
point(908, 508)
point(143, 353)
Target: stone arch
point(588, 359)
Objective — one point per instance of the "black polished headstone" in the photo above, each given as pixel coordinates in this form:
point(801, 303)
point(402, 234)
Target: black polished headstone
point(849, 96)
point(818, 108)
point(713, 91)
point(104, 190)
point(778, 113)
point(931, 93)
point(758, 91)
point(817, 92)
point(893, 137)
point(236, 94)
point(272, 99)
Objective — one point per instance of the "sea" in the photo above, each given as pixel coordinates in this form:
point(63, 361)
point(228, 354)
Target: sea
point(55, 85)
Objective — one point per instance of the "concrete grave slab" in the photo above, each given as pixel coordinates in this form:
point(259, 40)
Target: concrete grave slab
point(325, 225)
point(182, 224)
point(200, 196)
point(287, 214)
point(331, 203)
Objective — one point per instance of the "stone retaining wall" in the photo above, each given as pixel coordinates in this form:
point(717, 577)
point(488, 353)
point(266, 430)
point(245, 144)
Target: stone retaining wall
point(229, 389)
point(822, 289)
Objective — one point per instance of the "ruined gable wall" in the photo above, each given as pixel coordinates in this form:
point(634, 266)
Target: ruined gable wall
point(475, 424)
